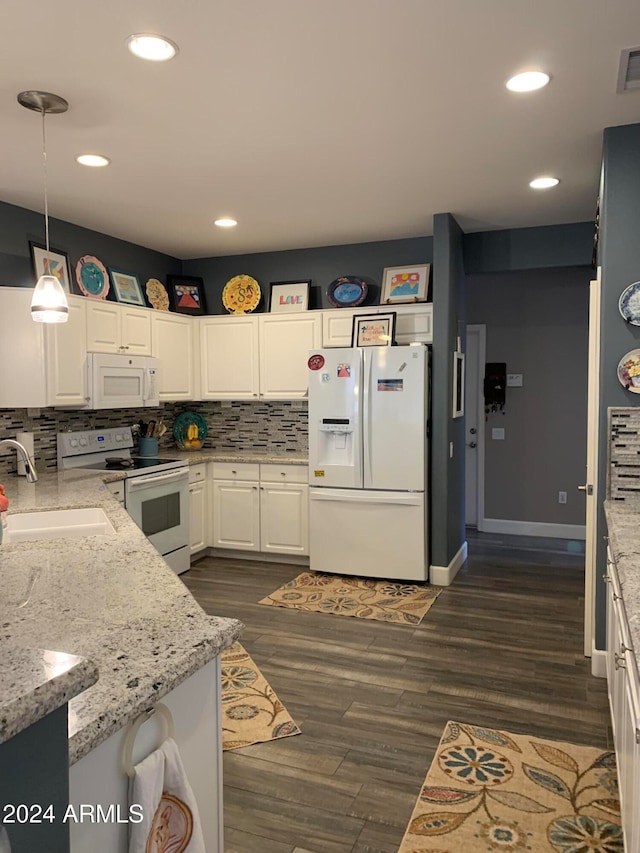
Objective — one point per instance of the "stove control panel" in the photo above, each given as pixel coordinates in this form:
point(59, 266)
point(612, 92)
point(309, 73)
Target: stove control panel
point(71, 444)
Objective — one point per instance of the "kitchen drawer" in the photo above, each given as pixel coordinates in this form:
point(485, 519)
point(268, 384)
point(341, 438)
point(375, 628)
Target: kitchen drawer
point(284, 473)
point(235, 471)
point(117, 490)
point(197, 472)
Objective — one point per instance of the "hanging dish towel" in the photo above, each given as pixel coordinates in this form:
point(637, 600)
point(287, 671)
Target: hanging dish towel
point(171, 822)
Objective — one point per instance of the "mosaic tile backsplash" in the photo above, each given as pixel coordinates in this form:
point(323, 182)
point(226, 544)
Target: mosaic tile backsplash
point(624, 453)
point(281, 426)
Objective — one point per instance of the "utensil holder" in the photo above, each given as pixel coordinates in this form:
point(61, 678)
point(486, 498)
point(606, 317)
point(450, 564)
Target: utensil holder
point(148, 446)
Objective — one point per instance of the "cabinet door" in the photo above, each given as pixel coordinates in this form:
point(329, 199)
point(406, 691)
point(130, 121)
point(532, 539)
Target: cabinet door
point(229, 358)
point(337, 326)
point(67, 359)
point(414, 323)
point(103, 326)
point(22, 360)
point(284, 518)
point(135, 325)
point(197, 516)
point(236, 515)
point(285, 342)
point(171, 340)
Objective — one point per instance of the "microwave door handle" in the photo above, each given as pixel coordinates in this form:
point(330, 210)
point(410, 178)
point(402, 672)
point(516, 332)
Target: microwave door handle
point(145, 385)
point(154, 479)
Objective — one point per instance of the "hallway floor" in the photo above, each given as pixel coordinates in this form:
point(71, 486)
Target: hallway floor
point(502, 647)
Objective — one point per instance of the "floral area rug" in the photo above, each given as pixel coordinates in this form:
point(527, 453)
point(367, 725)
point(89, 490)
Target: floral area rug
point(489, 790)
point(387, 601)
point(251, 711)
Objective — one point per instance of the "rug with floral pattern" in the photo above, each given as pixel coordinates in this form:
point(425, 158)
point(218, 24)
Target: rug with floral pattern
point(387, 601)
point(251, 711)
point(489, 790)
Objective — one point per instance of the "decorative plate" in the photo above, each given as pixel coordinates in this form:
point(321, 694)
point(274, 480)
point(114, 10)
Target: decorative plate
point(629, 371)
point(629, 304)
point(190, 431)
point(347, 291)
point(92, 277)
point(157, 294)
point(241, 294)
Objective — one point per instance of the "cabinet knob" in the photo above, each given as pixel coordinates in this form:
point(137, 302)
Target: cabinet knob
point(255, 488)
point(606, 578)
point(234, 472)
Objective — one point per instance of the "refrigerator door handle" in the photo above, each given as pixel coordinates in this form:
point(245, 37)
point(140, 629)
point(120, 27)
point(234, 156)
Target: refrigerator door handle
point(366, 418)
point(366, 497)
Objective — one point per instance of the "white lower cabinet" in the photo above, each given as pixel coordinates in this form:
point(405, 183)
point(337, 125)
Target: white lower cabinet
point(236, 515)
point(623, 685)
point(284, 510)
point(198, 508)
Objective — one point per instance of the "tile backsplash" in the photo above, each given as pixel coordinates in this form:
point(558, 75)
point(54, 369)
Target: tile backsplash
point(264, 425)
point(623, 481)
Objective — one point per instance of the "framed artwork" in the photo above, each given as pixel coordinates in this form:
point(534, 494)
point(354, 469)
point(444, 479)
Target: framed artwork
point(458, 384)
point(54, 262)
point(126, 286)
point(373, 330)
point(289, 296)
point(405, 284)
point(186, 293)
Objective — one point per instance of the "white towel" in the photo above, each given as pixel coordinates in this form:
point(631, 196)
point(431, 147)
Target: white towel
point(171, 821)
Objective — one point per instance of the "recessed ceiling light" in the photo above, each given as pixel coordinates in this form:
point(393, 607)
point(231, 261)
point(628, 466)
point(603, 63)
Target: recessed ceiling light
point(544, 183)
point(225, 222)
point(528, 81)
point(95, 160)
point(155, 48)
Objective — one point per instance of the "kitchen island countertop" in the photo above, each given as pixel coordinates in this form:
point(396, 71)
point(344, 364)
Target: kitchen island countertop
point(110, 599)
point(624, 542)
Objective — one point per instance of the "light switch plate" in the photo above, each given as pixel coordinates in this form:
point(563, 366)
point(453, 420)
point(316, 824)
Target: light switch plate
point(497, 433)
point(514, 380)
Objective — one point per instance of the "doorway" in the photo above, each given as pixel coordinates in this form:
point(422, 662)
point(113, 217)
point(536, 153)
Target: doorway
point(474, 425)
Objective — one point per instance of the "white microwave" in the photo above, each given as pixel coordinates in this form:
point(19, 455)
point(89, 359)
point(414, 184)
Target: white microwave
point(122, 381)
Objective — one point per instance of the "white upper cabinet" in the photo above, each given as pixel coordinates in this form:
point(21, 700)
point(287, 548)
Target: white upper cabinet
point(414, 323)
point(285, 341)
point(115, 328)
point(229, 358)
point(66, 348)
point(172, 341)
point(23, 380)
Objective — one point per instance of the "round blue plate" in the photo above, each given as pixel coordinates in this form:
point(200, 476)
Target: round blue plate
point(629, 304)
point(347, 291)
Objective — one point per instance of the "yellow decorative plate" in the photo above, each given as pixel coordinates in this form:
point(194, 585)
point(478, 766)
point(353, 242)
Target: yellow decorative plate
point(157, 294)
point(241, 294)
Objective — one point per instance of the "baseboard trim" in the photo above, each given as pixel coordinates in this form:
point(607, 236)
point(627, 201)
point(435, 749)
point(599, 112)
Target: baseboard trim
point(534, 528)
point(258, 556)
point(444, 575)
point(598, 663)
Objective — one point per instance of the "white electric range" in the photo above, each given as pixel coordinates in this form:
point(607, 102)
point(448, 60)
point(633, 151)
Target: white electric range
point(156, 490)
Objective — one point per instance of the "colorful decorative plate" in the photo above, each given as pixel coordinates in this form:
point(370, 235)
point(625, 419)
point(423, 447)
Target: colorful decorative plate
point(92, 277)
point(190, 431)
point(347, 291)
point(629, 304)
point(157, 295)
point(241, 294)
point(629, 371)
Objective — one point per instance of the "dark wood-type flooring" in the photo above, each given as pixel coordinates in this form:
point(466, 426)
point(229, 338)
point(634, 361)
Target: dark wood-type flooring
point(502, 647)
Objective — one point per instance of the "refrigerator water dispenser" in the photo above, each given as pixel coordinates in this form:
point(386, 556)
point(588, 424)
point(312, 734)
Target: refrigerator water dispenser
point(336, 442)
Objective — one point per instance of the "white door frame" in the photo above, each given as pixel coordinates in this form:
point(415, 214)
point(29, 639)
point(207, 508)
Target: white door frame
point(591, 520)
point(480, 330)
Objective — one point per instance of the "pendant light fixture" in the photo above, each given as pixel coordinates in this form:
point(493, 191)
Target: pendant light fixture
point(49, 301)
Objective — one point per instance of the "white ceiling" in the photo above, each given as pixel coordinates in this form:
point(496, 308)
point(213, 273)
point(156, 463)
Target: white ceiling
point(313, 123)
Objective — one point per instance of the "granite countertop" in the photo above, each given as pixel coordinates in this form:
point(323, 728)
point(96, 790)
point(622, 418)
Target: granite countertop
point(624, 541)
point(266, 457)
point(112, 600)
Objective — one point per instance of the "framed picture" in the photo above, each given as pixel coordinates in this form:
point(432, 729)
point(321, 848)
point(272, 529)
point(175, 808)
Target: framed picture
point(126, 286)
point(186, 293)
point(458, 384)
point(373, 330)
point(54, 262)
point(405, 284)
point(289, 296)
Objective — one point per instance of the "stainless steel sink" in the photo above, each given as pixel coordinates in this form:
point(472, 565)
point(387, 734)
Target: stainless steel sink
point(57, 524)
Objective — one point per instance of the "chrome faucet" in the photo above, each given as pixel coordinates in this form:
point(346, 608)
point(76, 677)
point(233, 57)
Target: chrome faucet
point(29, 467)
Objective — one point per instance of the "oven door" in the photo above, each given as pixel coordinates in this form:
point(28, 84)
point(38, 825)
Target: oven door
point(159, 505)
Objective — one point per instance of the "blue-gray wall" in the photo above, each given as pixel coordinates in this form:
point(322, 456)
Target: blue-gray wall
point(447, 474)
point(619, 257)
point(321, 265)
point(18, 226)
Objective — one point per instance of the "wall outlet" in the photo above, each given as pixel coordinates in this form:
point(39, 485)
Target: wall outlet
point(514, 380)
point(225, 404)
point(562, 497)
point(497, 433)
point(450, 450)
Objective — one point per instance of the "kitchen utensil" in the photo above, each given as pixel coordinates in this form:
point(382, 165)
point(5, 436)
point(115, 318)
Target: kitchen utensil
point(150, 428)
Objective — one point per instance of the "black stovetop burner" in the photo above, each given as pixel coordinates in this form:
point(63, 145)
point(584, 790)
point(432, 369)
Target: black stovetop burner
point(122, 463)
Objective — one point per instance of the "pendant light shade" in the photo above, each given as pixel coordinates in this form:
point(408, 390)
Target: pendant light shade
point(49, 301)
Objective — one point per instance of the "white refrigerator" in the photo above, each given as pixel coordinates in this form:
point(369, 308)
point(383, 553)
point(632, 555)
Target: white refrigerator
point(368, 410)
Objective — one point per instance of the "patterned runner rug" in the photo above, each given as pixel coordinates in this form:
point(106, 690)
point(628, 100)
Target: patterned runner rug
point(489, 790)
point(387, 601)
point(251, 711)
